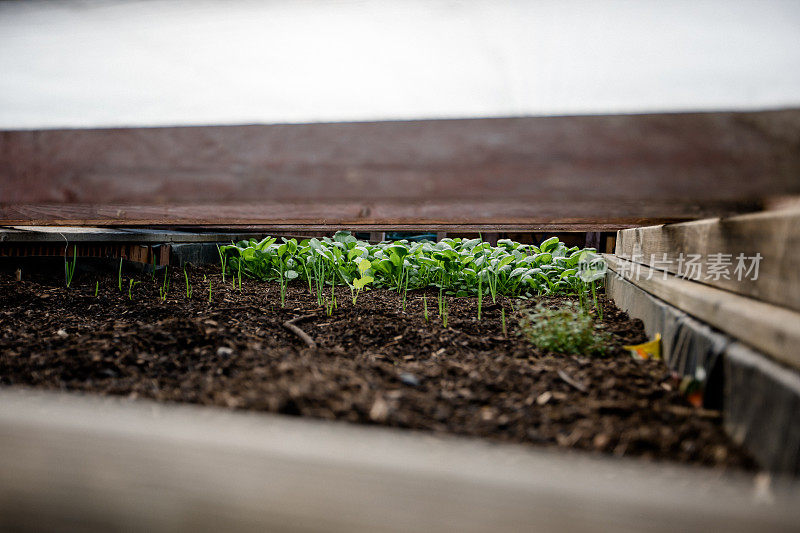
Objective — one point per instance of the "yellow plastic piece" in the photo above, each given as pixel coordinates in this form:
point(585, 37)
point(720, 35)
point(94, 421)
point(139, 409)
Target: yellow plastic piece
point(647, 350)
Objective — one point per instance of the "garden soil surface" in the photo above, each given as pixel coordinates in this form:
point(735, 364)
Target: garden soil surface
point(374, 363)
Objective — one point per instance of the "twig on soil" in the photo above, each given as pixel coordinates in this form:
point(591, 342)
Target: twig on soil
point(291, 325)
point(571, 381)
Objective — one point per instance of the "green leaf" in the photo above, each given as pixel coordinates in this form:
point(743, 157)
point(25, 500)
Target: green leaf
point(361, 282)
point(291, 274)
point(549, 245)
point(364, 265)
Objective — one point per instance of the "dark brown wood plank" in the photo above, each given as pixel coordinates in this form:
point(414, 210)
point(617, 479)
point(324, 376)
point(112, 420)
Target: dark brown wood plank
point(678, 160)
point(514, 214)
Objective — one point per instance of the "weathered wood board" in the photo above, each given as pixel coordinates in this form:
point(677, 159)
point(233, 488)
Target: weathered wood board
point(80, 463)
point(774, 235)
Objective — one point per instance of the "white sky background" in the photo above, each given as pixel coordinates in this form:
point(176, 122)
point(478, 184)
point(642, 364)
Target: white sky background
point(170, 62)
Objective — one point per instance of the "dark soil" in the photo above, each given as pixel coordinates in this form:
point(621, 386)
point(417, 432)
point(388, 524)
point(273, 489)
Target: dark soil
point(375, 364)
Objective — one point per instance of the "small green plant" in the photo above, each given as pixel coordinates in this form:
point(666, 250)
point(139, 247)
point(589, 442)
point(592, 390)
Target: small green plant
point(96, 288)
point(564, 329)
point(223, 262)
point(480, 297)
point(425, 307)
point(69, 268)
point(131, 285)
point(119, 275)
point(592, 269)
point(188, 287)
point(164, 289)
point(363, 280)
point(503, 321)
point(209, 291)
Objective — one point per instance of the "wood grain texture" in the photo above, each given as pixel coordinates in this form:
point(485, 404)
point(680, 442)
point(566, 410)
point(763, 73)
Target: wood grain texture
point(83, 463)
point(662, 166)
point(514, 214)
point(768, 328)
point(773, 234)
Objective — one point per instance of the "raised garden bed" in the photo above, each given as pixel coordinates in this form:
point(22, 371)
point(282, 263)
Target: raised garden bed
point(374, 362)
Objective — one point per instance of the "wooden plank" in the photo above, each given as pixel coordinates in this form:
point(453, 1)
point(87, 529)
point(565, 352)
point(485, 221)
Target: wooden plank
point(770, 329)
point(515, 212)
point(647, 166)
point(83, 463)
point(775, 235)
point(72, 234)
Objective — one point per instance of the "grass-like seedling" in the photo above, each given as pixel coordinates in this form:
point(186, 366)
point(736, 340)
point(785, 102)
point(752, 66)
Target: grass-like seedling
point(119, 275)
point(188, 287)
point(223, 262)
point(209, 291)
point(131, 285)
point(503, 321)
point(480, 297)
point(96, 288)
point(425, 307)
point(164, 289)
point(69, 268)
point(564, 329)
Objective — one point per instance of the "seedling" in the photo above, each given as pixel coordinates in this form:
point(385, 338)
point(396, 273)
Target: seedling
point(480, 297)
point(131, 285)
point(459, 267)
point(363, 280)
point(119, 275)
point(69, 268)
point(96, 288)
point(188, 287)
point(425, 307)
point(164, 289)
point(503, 321)
point(223, 262)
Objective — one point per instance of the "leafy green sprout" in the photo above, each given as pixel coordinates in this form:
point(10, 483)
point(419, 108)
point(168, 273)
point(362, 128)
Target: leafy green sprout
point(363, 280)
point(458, 267)
point(69, 268)
point(96, 288)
